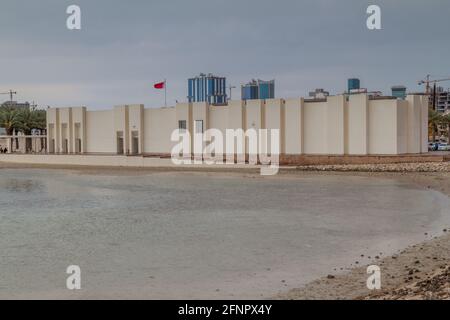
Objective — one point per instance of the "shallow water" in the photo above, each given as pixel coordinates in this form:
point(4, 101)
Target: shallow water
point(175, 235)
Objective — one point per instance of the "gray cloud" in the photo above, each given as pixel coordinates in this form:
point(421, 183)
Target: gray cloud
point(126, 46)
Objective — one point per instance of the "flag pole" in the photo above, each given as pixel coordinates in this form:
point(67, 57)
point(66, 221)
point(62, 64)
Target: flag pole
point(165, 93)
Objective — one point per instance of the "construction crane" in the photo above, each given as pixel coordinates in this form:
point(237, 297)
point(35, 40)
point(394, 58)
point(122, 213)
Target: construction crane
point(428, 92)
point(11, 93)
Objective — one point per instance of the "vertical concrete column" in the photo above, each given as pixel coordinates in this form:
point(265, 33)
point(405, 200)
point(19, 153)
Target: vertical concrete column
point(275, 119)
point(402, 126)
point(200, 112)
point(424, 124)
point(237, 120)
point(335, 121)
point(9, 144)
point(53, 126)
point(136, 123)
point(236, 115)
point(184, 113)
point(414, 142)
point(65, 129)
point(121, 124)
point(255, 119)
point(79, 121)
point(357, 131)
point(293, 135)
point(255, 114)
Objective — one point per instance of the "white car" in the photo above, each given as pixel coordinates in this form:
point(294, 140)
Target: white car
point(444, 147)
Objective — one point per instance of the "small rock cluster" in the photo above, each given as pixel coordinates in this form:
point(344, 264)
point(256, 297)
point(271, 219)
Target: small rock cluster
point(436, 287)
point(392, 167)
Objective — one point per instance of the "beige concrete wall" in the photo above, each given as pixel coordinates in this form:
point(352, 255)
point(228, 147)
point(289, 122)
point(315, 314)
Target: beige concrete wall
point(237, 119)
point(293, 119)
point(424, 124)
point(53, 130)
point(414, 133)
point(383, 127)
point(136, 126)
point(402, 127)
point(121, 125)
point(255, 114)
point(79, 128)
point(218, 117)
point(315, 128)
point(100, 132)
point(65, 130)
point(236, 115)
point(184, 113)
point(200, 124)
point(254, 119)
point(159, 125)
point(358, 126)
point(335, 125)
point(275, 119)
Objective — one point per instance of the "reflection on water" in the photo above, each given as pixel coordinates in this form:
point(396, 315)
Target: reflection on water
point(198, 236)
point(20, 185)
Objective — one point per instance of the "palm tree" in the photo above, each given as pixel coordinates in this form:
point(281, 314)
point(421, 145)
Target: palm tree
point(434, 119)
point(29, 119)
point(445, 120)
point(9, 119)
point(23, 120)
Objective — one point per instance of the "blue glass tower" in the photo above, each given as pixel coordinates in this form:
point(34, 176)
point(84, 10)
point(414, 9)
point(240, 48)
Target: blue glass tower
point(399, 92)
point(258, 89)
point(353, 84)
point(207, 88)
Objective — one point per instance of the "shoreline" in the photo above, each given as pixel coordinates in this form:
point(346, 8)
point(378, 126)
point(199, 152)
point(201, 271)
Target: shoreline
point(420, 271)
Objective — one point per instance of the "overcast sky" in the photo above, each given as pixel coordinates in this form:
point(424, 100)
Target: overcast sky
point(125, 47)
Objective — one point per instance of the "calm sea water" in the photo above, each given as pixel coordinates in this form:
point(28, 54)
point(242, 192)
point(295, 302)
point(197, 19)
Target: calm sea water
point(175, 235)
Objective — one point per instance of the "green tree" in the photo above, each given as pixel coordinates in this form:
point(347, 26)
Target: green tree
point(29, 119)
point(445, 120)
point(434, 119)
point(9, 119)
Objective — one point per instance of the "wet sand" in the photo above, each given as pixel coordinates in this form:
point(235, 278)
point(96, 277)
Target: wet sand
point(418, 272)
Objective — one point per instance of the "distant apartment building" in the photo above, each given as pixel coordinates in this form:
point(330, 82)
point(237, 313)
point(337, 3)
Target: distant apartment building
point(207, 88)
point(319, 94)
point(399, 92)
point(16, 105)
point(258, 89)
point(442, 100)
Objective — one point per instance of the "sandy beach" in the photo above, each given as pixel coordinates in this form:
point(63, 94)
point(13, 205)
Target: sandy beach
point(416, 272)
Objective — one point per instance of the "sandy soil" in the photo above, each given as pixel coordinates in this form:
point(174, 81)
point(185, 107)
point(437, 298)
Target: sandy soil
point(419, 272)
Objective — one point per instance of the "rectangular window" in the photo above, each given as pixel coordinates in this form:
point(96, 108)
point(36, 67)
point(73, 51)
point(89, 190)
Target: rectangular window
point(120, 143)
point(198, 126)
point(182, 125)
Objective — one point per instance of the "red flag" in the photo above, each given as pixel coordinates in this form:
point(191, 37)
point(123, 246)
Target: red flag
point(160, 85)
